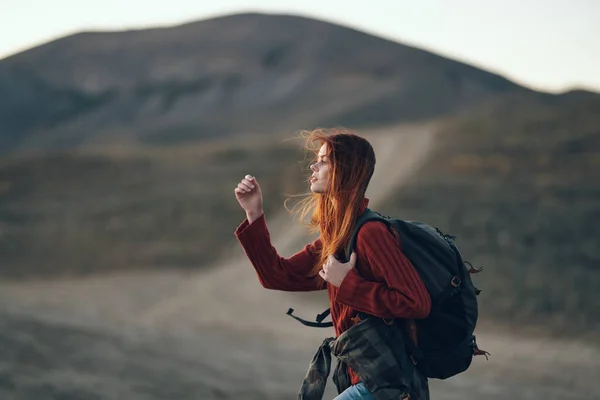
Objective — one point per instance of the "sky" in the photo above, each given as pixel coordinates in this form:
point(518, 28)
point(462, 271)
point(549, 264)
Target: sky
point(549, 45)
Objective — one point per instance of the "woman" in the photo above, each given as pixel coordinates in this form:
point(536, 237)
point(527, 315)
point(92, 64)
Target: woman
point(378, 279)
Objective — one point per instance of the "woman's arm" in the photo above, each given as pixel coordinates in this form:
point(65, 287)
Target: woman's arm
point(401, 295)
point(276, 272)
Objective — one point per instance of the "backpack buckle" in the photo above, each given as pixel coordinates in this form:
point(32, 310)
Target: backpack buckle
point(455, 282)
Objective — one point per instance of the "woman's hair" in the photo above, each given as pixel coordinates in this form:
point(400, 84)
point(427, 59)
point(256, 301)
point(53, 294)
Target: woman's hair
point(334, 212)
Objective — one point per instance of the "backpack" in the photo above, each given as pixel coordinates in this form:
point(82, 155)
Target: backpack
point(445, 338)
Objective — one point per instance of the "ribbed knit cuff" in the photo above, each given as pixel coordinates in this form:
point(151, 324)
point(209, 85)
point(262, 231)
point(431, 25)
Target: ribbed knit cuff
point(246, 228)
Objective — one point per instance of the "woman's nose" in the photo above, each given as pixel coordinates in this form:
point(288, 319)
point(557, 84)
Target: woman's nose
point(314, 167)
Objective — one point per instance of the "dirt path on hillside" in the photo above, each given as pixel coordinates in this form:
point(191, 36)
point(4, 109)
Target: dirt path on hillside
point(228, 295)
point(232, 296)
point(218, 334)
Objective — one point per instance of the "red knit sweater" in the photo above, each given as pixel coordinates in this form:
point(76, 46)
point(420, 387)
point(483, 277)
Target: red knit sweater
point(386, 285)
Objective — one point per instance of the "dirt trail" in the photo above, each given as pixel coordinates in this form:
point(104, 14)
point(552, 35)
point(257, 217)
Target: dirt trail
point(230, 295)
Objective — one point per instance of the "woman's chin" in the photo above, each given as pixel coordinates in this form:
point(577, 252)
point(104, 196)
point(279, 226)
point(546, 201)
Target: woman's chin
point(316, 188)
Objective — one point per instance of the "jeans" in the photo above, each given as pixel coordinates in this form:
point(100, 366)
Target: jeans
point(356, 392)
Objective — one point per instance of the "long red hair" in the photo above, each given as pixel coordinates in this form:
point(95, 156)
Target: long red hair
point(334, 212)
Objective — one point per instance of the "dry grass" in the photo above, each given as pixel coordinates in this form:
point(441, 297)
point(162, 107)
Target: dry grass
point(96, 211)
point(519, 187)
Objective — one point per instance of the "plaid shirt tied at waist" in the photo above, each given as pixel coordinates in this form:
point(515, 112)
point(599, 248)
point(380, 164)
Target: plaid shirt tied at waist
point(376, 352)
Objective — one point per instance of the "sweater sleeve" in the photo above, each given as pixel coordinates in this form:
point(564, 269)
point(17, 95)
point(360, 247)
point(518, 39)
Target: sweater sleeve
point(276, 272)
point(402, 294)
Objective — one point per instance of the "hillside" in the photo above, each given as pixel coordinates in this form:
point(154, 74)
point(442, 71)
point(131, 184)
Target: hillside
point(218, 335)
point(239, 74)
point(142, 136)
point(518, 185)
point(515, 181)
point(74, 213)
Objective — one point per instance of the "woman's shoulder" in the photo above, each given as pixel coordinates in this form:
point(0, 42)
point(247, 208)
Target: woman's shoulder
point(373, 232)
point(373, 227)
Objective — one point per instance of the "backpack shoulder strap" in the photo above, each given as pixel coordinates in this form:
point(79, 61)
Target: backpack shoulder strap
point(366, 216)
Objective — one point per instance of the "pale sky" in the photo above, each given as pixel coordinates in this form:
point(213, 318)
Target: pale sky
point(550, 45)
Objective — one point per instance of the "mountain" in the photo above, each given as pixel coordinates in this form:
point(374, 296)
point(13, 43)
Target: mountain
point(514, 173)
point(237, 74)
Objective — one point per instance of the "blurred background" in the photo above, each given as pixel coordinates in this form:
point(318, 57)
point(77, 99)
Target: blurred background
point(124, 128)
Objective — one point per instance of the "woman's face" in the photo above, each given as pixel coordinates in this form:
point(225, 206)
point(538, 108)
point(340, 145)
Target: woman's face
point(321, 171)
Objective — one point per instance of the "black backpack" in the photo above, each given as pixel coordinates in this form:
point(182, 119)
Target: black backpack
point(446, 340)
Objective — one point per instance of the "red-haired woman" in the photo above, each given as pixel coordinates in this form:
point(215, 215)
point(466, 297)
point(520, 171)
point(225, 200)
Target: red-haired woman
point(378, 279)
